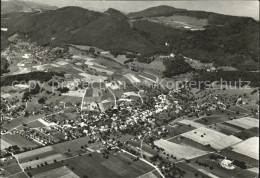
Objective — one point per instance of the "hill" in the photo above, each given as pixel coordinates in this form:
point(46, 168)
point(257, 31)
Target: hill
point(23, 6)
point(74, 25)
point(226, 40)
point(212, 18)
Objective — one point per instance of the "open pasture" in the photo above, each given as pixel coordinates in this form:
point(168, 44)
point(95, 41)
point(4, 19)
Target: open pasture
point(207, 136)
point(180, 151)
point(249, 147)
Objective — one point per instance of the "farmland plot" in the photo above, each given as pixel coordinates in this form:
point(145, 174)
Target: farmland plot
point(132, 78)
point(207, 136)
point(192, 123)
point(249, 147)
point(56, 173)
point(180, 151)
point(18, 140)
point(49, 159)
point(245, 122)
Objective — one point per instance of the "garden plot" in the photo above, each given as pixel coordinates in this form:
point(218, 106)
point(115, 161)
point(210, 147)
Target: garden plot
point(245, 122)
point(249, 147)
point(192, 123)
point(180, 151)
point(207, 136)
point(132, 78)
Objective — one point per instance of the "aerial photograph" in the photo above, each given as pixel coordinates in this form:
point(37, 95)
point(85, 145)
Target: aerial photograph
point(129, 89)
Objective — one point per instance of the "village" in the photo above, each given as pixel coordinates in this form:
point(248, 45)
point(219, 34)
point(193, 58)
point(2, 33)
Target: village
point(87, 104)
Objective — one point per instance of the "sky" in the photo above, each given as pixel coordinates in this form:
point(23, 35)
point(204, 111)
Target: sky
point(228, 7)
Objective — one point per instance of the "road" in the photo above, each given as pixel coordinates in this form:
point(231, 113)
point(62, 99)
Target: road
point(82, 102)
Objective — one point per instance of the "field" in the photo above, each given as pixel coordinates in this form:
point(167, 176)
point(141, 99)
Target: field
point(4, 144)
point(18, 140)
point(57, 172)
point(245, 134)
point(232, 155)
point(207, 136)
point(180, 21)
point(192, 123)
point(19, 121)
point(94, 165)
point(180, 151)
point(245, 122)
point(35, 152)
point(178, 129)
point(115, 166)
point(48, 159)
point(132, 78)
point(212, 119)
point(73, 145)
point(226, 129)
point(191, 143)
point(36, 124)
point(217, 170)
point(249, 147)
point(151, 174)
point(9, 168)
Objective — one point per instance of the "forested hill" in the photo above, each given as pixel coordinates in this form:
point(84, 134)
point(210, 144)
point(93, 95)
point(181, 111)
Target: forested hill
point(110, 30)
